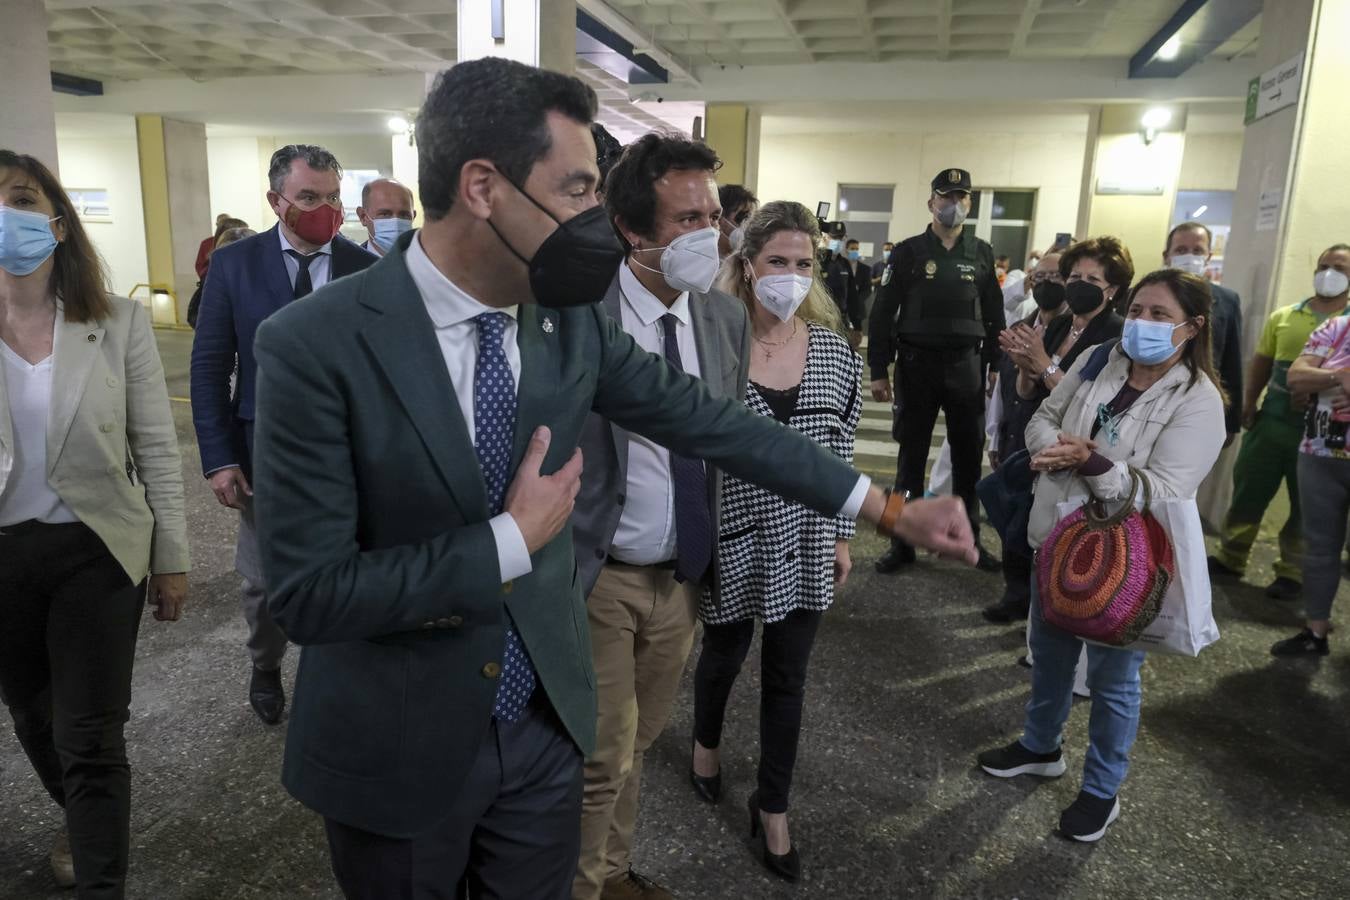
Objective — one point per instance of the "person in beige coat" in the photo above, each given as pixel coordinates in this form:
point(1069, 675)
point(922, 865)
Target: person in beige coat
point(1155, 406)
point(91, 504)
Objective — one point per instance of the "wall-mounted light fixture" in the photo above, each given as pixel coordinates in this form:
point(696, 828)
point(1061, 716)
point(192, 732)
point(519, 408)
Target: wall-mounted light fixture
point(398, 125)
point(1153, 121)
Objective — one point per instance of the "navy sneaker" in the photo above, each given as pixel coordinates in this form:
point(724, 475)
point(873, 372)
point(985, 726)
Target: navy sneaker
point(1088, 817)
point(1015, 759)
point(1305, 643)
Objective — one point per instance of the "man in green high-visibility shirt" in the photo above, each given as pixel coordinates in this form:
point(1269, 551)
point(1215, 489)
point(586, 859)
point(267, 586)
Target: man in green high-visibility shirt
point(1269, 453)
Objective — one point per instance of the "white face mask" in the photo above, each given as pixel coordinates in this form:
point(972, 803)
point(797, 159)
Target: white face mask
point(1191, 263)
point(1330, 283)
point(690, 262)
point(782, 294)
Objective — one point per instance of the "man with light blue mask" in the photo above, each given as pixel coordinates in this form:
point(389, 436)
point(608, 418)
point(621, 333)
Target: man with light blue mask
point(387, 211)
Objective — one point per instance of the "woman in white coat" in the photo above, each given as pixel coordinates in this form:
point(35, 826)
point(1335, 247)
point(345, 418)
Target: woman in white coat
point(91, 503)
point(1155, 407)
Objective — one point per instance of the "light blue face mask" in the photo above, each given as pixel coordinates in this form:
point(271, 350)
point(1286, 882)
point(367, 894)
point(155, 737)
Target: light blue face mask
point(1149, 343)
point(387, 232)
point(835, 245)
point(26, 240)
point(855, 255)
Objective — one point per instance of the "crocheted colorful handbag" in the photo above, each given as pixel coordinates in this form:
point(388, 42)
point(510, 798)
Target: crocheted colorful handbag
point(1103, 577)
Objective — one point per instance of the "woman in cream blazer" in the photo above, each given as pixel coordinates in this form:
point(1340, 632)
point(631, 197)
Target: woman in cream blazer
point(91, 503)
point(1155, 406)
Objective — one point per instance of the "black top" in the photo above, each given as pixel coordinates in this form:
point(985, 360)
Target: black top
point(782, 403)
point(849, 285)
point(1103, 327)
point(935, 298)
point(1226, 327)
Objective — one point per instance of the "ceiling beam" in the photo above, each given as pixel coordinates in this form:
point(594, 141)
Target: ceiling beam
point(644, 43)
point(1199, 27)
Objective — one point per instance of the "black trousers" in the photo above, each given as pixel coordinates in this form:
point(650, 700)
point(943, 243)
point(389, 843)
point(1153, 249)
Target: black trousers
point(68, 622)
point(950, 381)
point(784, 653)
point(514, 831)
point(1017, 575)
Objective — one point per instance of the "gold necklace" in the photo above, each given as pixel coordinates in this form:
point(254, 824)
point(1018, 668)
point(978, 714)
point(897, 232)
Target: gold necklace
point(776, 345)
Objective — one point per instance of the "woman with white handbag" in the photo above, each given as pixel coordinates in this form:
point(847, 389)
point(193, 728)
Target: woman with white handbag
point(1142, 417)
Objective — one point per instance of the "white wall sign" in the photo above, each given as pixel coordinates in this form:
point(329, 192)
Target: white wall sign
point(1274, 89)
point(1268, 210)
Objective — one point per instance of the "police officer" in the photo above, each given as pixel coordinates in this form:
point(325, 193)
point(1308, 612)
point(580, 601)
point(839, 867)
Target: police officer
point(939, 313)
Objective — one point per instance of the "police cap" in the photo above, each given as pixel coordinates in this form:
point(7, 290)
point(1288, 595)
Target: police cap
point(949, 180)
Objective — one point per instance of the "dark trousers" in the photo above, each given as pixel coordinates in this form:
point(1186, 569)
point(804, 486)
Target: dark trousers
point(1016, 575)
point(929, 381)
point(785, 651)
point(514, 831)
point(68, 622)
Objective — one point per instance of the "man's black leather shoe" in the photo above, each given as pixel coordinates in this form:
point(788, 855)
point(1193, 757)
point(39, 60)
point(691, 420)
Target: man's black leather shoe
point(267, 696)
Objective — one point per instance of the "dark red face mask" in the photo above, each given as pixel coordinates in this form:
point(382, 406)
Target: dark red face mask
point(317, 226)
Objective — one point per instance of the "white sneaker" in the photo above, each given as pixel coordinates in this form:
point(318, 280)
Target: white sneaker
point(63, 864)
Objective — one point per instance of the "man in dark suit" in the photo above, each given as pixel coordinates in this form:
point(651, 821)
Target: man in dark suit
point(645, 519)
point(417, 464)
point(247, 282)
point(1189, 249)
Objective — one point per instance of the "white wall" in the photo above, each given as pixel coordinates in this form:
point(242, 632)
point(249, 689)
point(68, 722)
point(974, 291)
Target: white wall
point(809, 168)
point(1210, 162)
point(111, 162)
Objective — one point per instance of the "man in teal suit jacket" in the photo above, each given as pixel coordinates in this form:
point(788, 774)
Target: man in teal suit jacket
point(394, 557)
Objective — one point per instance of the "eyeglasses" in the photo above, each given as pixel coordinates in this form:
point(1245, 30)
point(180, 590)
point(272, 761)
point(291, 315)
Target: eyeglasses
point(1037, 277)
point(307, 201)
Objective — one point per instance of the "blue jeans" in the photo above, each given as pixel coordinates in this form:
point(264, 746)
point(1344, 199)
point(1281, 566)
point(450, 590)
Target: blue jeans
point(1113, 677)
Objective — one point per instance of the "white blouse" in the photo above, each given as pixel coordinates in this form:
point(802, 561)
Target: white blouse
point(27, 495)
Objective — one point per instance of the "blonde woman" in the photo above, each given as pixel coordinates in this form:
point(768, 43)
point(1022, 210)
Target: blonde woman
point(777, 561)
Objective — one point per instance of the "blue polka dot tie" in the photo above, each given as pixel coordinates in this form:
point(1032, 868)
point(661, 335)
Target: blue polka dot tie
point(494, 415)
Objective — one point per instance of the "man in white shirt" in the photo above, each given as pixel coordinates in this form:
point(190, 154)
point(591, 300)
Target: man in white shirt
point(642, 570)
point(386, 211)
point(247, 282)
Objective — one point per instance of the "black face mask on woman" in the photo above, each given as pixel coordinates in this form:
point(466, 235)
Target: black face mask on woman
point(576, 263)
point(1083, 297)
point(1049, 295)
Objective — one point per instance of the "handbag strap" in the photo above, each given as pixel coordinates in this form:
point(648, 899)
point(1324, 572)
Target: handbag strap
point(1096, 509)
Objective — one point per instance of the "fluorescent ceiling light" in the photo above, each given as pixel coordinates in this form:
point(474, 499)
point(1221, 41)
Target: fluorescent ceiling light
point(1171, 48)
point(1156, 118)
point(398, 125)
point(1200, 211)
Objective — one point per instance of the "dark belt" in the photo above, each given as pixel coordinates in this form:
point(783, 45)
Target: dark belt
point(668, 565)
point(21, 528)
point(944, 353)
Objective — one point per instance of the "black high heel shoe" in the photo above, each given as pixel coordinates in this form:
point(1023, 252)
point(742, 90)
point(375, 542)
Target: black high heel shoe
point(787, 866)
point(708, 789)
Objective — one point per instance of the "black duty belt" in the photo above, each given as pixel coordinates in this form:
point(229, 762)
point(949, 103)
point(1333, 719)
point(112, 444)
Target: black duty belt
point(667, 564)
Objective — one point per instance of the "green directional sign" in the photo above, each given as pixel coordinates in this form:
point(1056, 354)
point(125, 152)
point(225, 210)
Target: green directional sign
point(1253, 96)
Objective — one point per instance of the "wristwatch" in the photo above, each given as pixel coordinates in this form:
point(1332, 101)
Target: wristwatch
point(890, 514)
point(1052, 369)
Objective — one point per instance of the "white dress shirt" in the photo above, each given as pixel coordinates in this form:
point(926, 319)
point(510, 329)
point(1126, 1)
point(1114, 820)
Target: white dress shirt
point(646, 532)
point(27, 495)
point(452, 313)
point(320, 268)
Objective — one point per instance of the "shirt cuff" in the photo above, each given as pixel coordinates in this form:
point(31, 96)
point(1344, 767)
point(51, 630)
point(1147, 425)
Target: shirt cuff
point(513, 557)
point(853, 505)
point(1096, 465)
point(222, 469)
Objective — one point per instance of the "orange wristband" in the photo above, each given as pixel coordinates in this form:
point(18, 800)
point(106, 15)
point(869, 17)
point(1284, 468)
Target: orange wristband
point(895, 503)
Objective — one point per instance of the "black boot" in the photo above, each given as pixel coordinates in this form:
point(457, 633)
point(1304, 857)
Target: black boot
point(898, 557)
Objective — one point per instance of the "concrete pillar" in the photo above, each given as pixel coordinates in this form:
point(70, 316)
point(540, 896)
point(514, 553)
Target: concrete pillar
point(539, 32)
point(732, 129)
point(1288, 207)
point(175, 193)
point(1130, 186)
point(26, 86)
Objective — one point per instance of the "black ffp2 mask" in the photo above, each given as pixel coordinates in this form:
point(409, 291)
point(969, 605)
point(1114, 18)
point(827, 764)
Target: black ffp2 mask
point(576, 263)
point(1049, 294)
point(1083, 297)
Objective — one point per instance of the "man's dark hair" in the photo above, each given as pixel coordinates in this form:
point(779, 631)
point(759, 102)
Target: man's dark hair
point(628, 189)
point(493, 109)
point(607, 149)
point(850, 242)
point(315, 157)
point(1190, 226)
point(736, 197)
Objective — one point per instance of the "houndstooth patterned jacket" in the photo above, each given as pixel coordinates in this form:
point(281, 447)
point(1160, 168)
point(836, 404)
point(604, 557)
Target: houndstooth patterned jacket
point(773, 555)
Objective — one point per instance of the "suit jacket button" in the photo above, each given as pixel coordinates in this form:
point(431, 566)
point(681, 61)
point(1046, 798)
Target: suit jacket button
point(492, 670)
point(106, 427)
point(599, 554)
point(507, 586)
point(112, 382)
point(621, 499)
point(455, 621)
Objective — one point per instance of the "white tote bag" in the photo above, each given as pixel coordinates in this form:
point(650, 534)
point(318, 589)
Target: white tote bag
point(1185, 625)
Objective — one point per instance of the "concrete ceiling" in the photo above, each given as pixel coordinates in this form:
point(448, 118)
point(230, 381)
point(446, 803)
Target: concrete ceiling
point(785, 32)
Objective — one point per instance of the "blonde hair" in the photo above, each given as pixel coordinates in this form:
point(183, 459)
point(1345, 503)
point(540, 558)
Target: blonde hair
point(781, 215)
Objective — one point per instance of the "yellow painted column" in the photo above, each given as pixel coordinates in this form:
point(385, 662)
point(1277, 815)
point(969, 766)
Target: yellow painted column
point(175, 195)
point(1131, 187)
point(732, 130)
